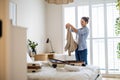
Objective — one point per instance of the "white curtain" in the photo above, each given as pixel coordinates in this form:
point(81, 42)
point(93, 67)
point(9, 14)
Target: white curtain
point(59, 1)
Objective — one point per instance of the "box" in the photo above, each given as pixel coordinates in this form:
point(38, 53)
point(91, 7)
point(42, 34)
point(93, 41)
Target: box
point(44, 56)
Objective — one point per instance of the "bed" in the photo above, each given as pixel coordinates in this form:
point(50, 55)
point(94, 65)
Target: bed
point(49, 73)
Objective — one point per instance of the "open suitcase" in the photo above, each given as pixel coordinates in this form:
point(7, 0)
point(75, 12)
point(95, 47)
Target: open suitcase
point(59, 63)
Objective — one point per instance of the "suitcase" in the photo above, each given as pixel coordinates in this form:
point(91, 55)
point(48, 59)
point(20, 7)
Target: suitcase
point(59, 63)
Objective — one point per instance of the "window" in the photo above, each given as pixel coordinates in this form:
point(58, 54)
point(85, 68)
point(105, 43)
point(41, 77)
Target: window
point(82, 11)
point(113, 62)
point(102, 41)
point(98, 35)
point(98, 21)
point(69, 16)
point(12, 12)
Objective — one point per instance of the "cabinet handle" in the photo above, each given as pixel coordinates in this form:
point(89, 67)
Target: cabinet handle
point(0, 28)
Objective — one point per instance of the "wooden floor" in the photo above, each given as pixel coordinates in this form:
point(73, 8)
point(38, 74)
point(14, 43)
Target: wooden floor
point(111, 79)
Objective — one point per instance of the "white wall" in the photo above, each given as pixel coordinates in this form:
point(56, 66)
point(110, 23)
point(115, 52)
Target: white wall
point(54, 27)
point(31, 14)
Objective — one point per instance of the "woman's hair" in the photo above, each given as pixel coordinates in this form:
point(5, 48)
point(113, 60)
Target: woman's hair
point(86, 19)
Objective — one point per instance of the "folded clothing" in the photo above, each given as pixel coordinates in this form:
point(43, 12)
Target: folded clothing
point(71, 68)
point(33, 67)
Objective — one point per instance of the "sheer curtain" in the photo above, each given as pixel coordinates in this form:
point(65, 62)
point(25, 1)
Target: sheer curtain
point(59, 1)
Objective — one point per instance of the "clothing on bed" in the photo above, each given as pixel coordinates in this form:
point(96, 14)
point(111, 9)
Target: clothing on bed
point(71, 68)
point(33, 67)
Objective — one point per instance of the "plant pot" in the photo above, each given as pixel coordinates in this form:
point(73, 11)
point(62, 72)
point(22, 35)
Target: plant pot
point(34, 51)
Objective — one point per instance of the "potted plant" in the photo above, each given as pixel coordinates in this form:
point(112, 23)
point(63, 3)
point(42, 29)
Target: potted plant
point(32, 45)
point(117, 28)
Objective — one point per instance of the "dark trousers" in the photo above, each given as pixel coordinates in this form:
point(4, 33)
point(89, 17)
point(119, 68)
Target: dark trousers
point(81, 55)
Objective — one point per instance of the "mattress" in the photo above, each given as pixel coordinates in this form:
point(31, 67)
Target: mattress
point(49, 73)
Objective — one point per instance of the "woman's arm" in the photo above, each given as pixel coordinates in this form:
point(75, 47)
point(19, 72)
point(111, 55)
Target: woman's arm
point(68, 25)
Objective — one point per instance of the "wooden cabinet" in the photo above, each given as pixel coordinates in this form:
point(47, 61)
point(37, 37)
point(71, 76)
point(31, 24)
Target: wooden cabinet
point(18, 53)
point(44, 56)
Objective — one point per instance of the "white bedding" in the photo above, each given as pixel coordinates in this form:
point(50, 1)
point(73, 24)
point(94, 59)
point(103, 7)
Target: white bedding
point(48, 73)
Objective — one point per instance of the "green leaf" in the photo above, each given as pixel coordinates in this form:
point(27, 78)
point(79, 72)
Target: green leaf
point(32, 44)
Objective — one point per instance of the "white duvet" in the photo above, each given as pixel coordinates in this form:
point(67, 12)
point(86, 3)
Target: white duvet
point(48, 73)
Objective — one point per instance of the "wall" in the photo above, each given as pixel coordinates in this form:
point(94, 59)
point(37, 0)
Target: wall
point(31, 14)
point(54, 29)
point(4, 41)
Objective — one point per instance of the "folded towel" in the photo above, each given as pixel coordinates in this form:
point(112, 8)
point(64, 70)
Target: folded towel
point(71, 68)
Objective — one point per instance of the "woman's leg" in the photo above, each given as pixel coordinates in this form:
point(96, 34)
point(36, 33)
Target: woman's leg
point(77, 55)
point(83, 55)
point(86, 56)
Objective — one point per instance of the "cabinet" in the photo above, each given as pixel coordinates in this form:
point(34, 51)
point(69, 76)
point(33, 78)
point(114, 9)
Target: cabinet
point(44, 56)
point(18, 53)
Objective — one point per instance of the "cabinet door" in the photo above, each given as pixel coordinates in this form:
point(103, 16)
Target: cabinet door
point(18, 53)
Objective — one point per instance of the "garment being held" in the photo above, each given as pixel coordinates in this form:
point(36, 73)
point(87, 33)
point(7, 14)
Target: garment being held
point(71, 44)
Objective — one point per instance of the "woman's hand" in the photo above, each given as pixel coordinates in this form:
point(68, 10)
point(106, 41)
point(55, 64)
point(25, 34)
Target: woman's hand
point(68, 25)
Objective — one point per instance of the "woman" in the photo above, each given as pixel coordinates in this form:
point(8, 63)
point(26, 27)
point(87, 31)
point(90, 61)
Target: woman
point(81, 51)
